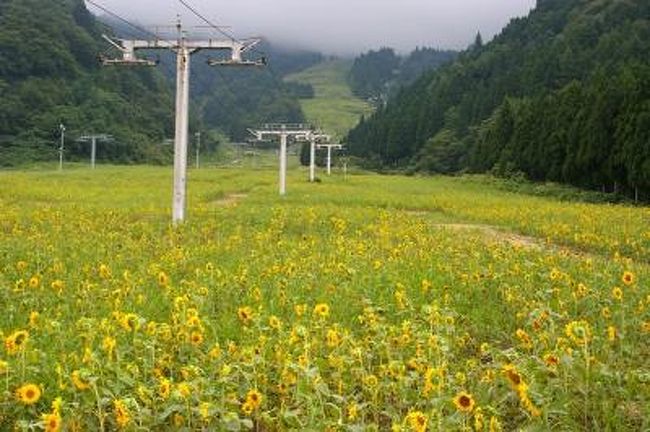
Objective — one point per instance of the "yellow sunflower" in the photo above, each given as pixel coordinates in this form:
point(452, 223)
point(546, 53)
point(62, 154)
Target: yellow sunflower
point(579, 332)
point(163, 279)
point(122, 416)
point(417, 421)
point(52, 422)
point(28, 394)
point(254, 398)
point(79, 382)
point(464, 402)
point(515, 379)
point(16, 341)
point(628, 278)
point(245, 314)
point(274, 322)
point(322, 310)
point(196, 338)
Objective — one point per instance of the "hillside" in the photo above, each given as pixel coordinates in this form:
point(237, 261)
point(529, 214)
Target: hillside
point(559, 95)
point(333, 106)
point(49, 75)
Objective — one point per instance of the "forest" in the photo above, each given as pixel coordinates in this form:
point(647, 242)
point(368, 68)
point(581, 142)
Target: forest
point(50, 75)
point(559, 95)
point(377, 75)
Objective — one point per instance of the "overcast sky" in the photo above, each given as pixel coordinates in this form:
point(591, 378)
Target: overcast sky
point(340, 27)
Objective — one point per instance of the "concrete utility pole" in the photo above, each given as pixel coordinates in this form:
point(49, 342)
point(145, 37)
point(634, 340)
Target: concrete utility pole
point(184, 49)
point(329, 148)
point(284, 131)
point(313, 138)
point(62, 146)
point(93, 145)
point(198, 148)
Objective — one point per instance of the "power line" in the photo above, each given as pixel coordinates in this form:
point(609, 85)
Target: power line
point(124, 20)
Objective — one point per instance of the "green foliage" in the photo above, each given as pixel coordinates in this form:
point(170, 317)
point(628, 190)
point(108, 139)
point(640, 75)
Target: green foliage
point(558, 95)
point(233, 100)
point(444, 153)
point(593, 134)
point(371, 72)
point(375, 75)
point(49, 75)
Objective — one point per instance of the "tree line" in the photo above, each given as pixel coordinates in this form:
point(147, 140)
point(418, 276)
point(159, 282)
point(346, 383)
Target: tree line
point(558, 95)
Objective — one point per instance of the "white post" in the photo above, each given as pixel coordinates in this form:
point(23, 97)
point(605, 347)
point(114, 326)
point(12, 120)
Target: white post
point(180, 145)
point(329, 160)
point(198, 148)
point(61, 147)
point(312, 159)
point(93, 151)
point(283, 164)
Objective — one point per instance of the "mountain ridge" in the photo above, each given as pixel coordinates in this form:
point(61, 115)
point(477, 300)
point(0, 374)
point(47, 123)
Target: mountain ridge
point(436, 125)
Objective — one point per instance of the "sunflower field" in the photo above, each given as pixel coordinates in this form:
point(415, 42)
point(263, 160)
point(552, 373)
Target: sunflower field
point(365, 303)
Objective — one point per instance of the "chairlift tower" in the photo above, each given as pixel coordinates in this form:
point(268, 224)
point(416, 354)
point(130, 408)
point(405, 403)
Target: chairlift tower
point(93, 145)
point(313, 139)
point(184, 48)
point(284, 131)
point(198, 148)
point(329, 148)
point(61, 146)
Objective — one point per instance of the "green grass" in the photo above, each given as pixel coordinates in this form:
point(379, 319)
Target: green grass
point(334, 107)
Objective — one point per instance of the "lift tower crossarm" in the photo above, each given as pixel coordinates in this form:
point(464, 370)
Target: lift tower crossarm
point(315, 137)
point(329, 148)
point(298, 131)
point(93, 138)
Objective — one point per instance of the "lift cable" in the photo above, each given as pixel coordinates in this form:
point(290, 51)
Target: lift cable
point(124, 20)
point(207, 21)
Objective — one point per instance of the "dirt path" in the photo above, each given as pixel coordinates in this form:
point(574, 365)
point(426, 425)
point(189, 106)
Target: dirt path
point(230, 200)
point(517, 240)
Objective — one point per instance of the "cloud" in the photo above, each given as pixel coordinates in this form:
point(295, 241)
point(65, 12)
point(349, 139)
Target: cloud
point(339, 26)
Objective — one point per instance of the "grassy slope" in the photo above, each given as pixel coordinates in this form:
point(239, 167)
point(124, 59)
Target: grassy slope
point(365, 245)
point(595, 228)
point(334, 107)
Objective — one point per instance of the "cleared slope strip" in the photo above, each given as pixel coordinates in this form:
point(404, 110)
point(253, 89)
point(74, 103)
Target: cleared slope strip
point(333, 107)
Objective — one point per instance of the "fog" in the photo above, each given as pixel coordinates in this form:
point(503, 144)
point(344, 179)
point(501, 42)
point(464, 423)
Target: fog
point(340, 27)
